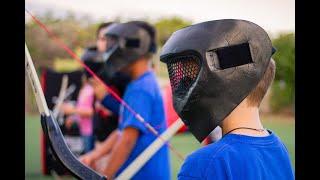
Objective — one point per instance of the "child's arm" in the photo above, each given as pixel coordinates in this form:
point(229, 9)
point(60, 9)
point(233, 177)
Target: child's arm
point(103, 149)
point(111, 103)
point(121, 151)
point(107, 100)
point(69, 109)
point(84, 112)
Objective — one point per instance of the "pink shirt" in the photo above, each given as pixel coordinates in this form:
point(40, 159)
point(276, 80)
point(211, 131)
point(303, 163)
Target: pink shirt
point(85, 101)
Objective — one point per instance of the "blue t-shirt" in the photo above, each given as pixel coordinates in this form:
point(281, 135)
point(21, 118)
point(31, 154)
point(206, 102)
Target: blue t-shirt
point(144, 96)
point(239, 157)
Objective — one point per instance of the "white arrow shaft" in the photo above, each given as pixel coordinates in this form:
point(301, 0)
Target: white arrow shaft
point(63, 89)
point(138, 163)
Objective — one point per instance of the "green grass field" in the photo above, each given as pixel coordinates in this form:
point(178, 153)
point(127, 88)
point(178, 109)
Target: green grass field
point(284, 127)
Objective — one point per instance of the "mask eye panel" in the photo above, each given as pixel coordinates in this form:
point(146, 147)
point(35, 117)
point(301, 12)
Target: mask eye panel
point(233, 56)
point(132, 43)
point(183, 71)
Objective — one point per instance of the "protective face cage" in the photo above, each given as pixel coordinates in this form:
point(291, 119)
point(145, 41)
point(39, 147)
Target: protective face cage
point(94, 66)
point(212, 67)
point(184, 68)
point(183, 71)
point(126, 43)
point(117, 45)
point(92, 59)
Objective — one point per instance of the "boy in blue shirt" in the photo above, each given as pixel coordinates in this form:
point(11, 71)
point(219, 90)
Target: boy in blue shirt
point(142, 94)
point(220, 71)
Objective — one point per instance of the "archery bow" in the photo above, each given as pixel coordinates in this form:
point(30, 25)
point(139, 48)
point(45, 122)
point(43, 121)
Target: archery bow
point(52, 130)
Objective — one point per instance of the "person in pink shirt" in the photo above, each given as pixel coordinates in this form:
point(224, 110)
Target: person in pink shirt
point(82, 114)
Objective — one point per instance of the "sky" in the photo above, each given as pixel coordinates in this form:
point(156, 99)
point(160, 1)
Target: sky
point(273, 15)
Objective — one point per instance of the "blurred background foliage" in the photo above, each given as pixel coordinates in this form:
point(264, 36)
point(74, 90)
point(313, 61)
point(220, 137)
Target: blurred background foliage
point(166, 26)
point(79, 33)
point(283, 89)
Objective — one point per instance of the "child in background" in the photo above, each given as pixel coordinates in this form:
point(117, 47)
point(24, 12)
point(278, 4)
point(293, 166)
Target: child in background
point(143, 95)
point(82, 114)
point(105, 118)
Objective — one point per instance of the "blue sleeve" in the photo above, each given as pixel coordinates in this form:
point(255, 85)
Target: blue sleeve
point(140, 102)
point(111, 103)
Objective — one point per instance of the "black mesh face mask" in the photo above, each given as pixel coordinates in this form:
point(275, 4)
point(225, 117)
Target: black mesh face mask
point(126, 43)
point(111, 42)
point(183, 71)
point(113, 46)
point(213, 66)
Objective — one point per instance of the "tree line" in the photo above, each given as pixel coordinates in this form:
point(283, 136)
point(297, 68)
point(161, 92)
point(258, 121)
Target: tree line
point(80, 33)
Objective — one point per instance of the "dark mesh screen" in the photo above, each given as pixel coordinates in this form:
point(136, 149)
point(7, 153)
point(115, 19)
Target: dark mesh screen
point(183, 71)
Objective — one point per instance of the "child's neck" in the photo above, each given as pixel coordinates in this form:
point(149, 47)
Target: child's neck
point(138, 68)
point(243, 116)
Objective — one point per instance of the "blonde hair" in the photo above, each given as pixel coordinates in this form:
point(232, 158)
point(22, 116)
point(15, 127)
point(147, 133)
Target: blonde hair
point(257, 94)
